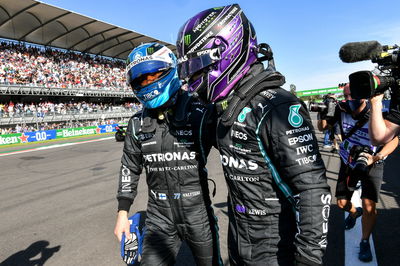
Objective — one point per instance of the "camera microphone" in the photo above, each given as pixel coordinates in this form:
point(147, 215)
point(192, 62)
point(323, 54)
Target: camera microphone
point(359, 51)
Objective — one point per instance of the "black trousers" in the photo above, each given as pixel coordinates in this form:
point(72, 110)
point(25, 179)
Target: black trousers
point(164, 237)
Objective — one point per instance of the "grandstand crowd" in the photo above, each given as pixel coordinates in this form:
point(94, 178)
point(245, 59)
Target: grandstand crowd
point(20, 109)
point(21, 64)
point(25, 64)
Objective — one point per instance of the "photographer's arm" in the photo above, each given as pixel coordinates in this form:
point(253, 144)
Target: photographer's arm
point(381, 131)
point(387, 149)
point(327, 122)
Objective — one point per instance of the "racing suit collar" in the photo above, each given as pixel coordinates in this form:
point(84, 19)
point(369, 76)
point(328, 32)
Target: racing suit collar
point(177, 114)
point(255, 69)
point(181, 109)
point(257, 80)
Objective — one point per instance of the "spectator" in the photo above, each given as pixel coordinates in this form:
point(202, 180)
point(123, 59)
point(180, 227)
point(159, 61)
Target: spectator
point(35, 66)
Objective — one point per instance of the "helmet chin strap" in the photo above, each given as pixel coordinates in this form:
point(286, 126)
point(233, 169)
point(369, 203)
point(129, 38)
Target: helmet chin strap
point(203, 93)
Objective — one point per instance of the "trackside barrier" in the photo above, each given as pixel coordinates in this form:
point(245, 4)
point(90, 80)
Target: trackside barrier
point(27, 137)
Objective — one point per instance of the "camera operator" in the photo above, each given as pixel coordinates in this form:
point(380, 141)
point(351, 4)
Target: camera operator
point(327, 107)
point(383, 129)
point(372, 84)
point(360, 160)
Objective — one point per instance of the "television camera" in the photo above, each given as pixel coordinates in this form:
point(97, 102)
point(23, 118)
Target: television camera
point(365, 84)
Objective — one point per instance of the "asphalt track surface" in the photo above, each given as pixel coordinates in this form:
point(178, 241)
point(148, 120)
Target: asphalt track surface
point(58, 207)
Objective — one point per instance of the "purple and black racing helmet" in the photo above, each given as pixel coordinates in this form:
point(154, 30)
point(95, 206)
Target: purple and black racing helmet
point(216, 49)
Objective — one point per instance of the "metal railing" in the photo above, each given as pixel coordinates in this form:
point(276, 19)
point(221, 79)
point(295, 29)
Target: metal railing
point(36, 117)
point(53, 91)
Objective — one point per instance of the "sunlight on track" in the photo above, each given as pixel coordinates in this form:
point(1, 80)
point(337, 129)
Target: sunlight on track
point(54, 146)
point(353, 238)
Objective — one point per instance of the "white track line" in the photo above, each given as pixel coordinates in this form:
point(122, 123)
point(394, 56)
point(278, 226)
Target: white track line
point(54, 146)
point(353, 238)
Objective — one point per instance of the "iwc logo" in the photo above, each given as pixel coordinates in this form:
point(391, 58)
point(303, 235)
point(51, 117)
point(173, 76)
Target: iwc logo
point(294, 118)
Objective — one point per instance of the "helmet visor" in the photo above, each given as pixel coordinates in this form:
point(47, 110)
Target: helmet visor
point(135, 74)
point(196, 61)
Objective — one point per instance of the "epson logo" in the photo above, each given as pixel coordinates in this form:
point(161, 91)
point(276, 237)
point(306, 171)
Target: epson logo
point(238, 135)
point(300, 139)
point(238, 163)
point(169, 156)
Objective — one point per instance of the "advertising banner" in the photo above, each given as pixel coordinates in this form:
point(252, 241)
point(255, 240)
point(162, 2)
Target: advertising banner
point(319, 91)
point(78, 131)
point(40, 135)
point(12, 139)
point(55, 134)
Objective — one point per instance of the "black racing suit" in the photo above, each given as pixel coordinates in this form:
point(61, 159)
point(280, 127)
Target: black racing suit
point(179, 207)
point(279, 199)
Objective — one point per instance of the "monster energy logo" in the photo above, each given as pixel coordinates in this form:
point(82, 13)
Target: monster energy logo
point(224, 105)
point(150, 50)
point(188, 39)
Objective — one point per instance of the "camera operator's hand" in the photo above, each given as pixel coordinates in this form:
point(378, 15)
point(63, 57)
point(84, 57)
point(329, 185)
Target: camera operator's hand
point(371, 158)
point(377, 99)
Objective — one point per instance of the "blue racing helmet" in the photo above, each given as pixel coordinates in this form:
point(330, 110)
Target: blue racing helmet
point(151, 58)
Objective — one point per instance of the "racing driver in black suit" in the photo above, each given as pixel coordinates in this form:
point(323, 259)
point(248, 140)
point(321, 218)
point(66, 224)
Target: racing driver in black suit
point(279, 199)
point(168, 138)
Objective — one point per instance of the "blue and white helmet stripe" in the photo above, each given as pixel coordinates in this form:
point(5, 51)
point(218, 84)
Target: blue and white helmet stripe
point(151, 58)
